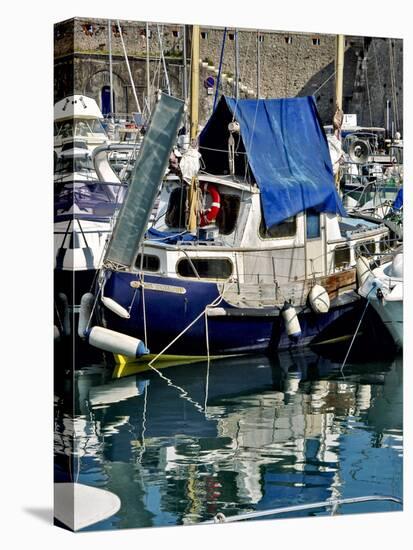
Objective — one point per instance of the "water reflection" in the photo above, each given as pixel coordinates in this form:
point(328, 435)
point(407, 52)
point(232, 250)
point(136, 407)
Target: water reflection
point(249, 434)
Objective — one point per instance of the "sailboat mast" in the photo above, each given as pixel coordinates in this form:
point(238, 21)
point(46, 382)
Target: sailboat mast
point(148, 78)
point(236, 65)
point(110, 69)
point(195, 82)
point(185, 75)
point(258, 64)
point(339, 71)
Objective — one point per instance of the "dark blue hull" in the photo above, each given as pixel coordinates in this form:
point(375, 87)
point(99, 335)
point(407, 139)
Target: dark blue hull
point(170, 313)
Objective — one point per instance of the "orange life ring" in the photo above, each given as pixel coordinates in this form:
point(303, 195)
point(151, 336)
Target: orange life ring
point(209, 215)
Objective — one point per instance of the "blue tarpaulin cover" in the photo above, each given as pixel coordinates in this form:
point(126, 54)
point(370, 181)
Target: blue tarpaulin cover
point(286, 150)
point(398, 203)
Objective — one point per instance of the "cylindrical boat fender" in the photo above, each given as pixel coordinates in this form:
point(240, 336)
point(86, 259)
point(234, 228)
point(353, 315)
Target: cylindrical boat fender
point(64, 311)
point(86, 306)
point(56, 334)
point(115, 307)
point(397, 266)
point(319, 299)
point(291, 322)
point(116, 342)
point(362, 270)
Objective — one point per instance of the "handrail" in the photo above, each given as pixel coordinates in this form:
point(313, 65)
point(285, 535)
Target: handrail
point(333, 503)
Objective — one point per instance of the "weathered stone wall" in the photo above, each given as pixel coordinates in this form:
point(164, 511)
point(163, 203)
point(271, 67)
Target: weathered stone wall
point(291, 64)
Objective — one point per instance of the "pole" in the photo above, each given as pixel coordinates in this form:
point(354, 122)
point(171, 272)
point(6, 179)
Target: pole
point(236, 65)
point(258, 65)
point(339, 71)
point(148, 77)
point(388, 117)
point(128, 67)
point(185, 76)
point(110, 69)
point(195, 82)
point(193, 190)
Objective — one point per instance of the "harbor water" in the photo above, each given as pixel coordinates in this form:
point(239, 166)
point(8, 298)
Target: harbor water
point(231, 436)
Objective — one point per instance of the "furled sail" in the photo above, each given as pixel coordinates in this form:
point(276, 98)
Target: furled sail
point(146, 178)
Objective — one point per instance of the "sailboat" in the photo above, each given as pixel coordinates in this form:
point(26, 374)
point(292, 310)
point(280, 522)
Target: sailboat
point(255, 253)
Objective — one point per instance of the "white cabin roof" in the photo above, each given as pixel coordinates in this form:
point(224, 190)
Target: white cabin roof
point(76, 106)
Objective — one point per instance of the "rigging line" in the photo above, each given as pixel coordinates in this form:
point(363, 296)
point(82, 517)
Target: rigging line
point(324, 83)
point(392, 82)
point(163, 59)
point(357, 329)
point(219, 69)
point(184, 393)
point(239, 79)
point(368, 93)
point(395, 86)
point(128, 66)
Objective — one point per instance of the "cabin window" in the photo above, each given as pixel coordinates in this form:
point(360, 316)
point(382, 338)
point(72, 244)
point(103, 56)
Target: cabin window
point(205, 268)
point(150, 263)
point(176, 214)
point(228, 213)
point(287, 228)
point(313, 224)
point(288, 39)
point(384, 243)
point(316, 41)
point(368, 246)
point(341, 256)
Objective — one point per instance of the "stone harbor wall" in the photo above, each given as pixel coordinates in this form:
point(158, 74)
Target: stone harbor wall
point(290, 64)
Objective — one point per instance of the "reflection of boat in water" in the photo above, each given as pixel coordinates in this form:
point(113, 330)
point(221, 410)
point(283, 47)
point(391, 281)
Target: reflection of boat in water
point(255, 433)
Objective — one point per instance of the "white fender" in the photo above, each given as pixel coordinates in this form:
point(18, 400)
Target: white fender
point(397, 266)
point(319, 299)
point(291, 322)
point(116, 342)
point(65, 313)
point(115, 307)
point(362, 269)
point(86, 305)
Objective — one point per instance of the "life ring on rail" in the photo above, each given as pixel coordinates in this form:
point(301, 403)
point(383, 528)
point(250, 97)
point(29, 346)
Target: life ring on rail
point(209, 215)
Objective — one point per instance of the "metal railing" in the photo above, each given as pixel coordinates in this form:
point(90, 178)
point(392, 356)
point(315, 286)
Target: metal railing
point(333, 504)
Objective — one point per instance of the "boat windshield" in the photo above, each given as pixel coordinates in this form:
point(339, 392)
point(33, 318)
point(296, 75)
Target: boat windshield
point(74, 164)
point(78, 127)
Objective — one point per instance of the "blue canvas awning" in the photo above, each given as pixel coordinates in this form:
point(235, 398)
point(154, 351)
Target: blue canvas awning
point(284, 149)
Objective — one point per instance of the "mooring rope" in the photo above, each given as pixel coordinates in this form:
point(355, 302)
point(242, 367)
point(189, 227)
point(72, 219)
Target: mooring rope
point(358, 327)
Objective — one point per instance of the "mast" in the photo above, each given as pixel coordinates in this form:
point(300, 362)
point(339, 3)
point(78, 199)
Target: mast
point(193, 189)
point(185, 76)
point(195, 82)
point(236, 65)
point(338, 95)
point(339, 71)
point(110, 69)
point(258, 64)
point(148, 78)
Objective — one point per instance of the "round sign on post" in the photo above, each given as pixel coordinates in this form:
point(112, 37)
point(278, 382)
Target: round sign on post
point(209, 82)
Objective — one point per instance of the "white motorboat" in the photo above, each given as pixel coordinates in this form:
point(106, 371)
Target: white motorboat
point(76, 117)
point(383, 287)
